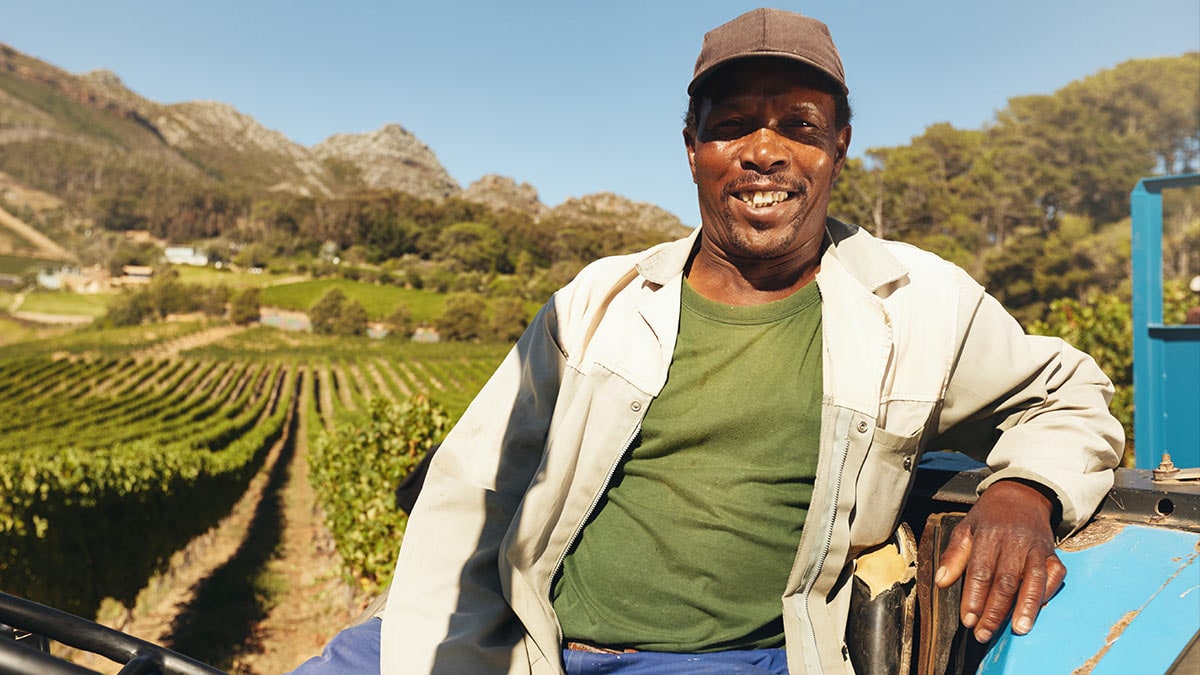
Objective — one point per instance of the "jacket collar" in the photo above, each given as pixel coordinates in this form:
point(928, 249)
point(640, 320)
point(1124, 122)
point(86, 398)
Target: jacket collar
point(863, 257)
point(859, 253)
point(663, 263)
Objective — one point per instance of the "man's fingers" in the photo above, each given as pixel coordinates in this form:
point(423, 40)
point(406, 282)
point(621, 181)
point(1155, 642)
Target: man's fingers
point(1031, 596)
point(1056, 571)
point(954, 558)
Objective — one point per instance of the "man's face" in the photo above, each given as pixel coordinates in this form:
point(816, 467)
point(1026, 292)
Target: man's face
point(764, 158)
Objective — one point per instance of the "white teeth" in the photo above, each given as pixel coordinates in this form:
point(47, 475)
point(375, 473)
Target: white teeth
point(761, 198)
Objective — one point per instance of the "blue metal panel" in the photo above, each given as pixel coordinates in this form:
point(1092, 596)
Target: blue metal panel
point(1178, 414)
point(1166, 404)
point(1129, 605)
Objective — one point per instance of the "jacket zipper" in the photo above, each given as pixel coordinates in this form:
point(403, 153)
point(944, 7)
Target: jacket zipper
point(612, 470)
point(812, 581)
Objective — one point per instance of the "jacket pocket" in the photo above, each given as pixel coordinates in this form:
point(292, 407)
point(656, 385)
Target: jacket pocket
point(882, 486)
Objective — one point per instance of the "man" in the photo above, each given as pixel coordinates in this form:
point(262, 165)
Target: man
point(678, 463)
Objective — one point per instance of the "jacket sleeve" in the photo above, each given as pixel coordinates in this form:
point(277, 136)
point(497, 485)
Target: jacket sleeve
point(1035, 406)
point(446, 612)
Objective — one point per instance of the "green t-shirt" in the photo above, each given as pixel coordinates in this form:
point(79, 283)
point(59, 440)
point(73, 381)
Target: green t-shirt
point(691, 547)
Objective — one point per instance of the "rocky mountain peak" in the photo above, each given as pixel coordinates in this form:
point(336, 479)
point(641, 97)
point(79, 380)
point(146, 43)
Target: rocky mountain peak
point(390, 158)
point(503, 193)
point(621, 213)
point(103, 77)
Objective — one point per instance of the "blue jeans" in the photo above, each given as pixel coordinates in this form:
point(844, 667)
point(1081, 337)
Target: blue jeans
point(749, 662)
point(355, 651)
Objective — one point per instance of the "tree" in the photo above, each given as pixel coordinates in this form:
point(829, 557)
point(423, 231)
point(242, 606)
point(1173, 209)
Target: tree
point(212, 300)
point(472, 246)
point(352, 320)
point(509, 319)
point(324, 313)
point(464, 317)
point(129, 309)
point(244, 308)
point(335, 314)
point(400, 321)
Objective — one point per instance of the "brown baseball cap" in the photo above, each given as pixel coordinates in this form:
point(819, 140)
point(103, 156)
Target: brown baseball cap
point(770, 32)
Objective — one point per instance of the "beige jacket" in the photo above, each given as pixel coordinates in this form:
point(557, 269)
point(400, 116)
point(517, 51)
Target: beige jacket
point(912, 347)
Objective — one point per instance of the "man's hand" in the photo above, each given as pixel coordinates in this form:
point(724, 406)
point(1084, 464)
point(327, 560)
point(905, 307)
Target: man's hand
point(1006, 546)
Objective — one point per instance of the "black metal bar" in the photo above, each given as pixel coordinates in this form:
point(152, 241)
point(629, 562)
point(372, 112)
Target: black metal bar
point(146, 664)
point(92, 637)
point(16, 659)
point(1135, 497)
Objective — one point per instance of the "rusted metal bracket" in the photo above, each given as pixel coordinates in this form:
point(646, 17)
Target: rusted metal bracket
point(1167, 471)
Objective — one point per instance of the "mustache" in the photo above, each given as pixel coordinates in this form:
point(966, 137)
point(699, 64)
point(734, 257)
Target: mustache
point(750, 179)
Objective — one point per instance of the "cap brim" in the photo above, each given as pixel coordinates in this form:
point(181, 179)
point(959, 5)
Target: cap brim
point(714, 67)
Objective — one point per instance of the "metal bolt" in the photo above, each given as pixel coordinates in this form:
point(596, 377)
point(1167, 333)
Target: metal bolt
point(1166, 468)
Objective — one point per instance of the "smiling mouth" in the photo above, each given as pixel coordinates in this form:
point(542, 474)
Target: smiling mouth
point(758, 199)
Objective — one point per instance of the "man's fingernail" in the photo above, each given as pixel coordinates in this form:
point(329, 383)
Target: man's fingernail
point(1023, 625)
point(969, 620)
point(983, 635)
point(941, 574)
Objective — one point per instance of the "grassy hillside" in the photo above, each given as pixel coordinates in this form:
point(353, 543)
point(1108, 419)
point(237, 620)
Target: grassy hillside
point(379, 301)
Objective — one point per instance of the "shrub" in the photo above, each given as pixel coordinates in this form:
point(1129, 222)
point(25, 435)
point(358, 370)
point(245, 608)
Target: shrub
point(509, 319)
point(463, 317)
point(243, 309)
point(355, 471)
point(335, 314)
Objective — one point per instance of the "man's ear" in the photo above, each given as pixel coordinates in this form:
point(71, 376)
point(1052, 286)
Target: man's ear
point(689, 143)
point(841, 150)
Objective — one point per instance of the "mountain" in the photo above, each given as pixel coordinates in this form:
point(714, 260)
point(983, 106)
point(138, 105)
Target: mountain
point(102, 122)
point(133, 163)
point(501, 193)
point(390, 158)
point(605, 210)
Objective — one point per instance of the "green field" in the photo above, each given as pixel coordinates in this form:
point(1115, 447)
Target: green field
point(379, 301)
point(15, 264)
point(72, 304)
point(12, 332)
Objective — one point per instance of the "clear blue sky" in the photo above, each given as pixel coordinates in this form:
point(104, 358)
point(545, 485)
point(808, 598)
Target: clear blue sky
point(576, 97)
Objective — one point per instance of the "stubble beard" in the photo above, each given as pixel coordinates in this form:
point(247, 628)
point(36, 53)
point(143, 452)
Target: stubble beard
point(762, 241)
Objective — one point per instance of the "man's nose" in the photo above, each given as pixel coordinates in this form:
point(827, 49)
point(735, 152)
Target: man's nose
point(764, 152)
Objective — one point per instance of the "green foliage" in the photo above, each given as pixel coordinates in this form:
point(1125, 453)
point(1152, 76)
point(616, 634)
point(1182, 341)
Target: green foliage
point(1103, 327)
point(509, 319)
point(253, 255)
point(463, 318)
point(355, 471)
point(243, 309)
point(400, 321)
point(67, 514)
point(472, 246)
point(1036, 202)
point(335, 314)
point(163, 296)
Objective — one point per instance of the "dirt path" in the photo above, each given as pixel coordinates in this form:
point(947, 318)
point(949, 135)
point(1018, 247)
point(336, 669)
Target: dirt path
point(190, 341)
point(43, 245)
point(261, 592)
point(316, 602)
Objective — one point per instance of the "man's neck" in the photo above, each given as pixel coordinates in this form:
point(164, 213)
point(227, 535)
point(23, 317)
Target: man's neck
point(749, 282)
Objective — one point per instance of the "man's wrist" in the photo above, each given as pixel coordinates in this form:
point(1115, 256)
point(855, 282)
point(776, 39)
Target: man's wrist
point(1053, 504)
